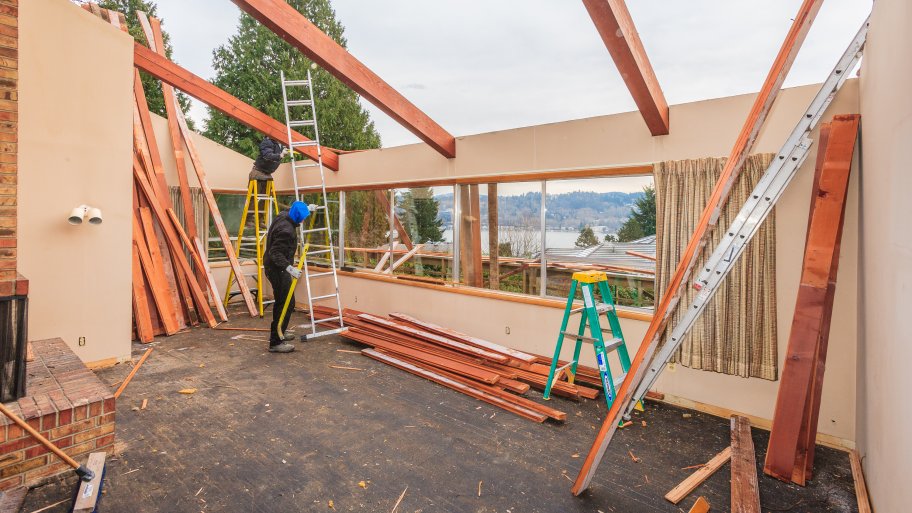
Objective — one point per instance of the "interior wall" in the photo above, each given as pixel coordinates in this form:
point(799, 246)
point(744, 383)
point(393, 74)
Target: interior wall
point(75, 141)
point(885, 413)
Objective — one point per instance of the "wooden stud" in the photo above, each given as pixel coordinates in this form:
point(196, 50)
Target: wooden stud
point(141, 314)
point(158, 285)
point(493, 240)
point(663, 311)
point(297, 30)
point(614, 24)
point(801, 361)
point(861, 489)
point(132, 373)
point(196, 254)
point(745, 490)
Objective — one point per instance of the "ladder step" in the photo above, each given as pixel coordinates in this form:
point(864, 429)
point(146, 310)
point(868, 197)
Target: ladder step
point(323, 321)
point(610, 345)
point(318, 252)
point(294, 124)
point(297, 83)
point(299, 103)
point(318, 298)
point(600, 308)
point(324, 333)
point(299, 144)
point(574, 335)
point(300, 166)
point(314, 230)
point(318, 275)
point(618, 381)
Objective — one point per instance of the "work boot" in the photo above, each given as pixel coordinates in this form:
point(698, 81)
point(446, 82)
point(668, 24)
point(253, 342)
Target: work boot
point(288, 337)
point(282, 347)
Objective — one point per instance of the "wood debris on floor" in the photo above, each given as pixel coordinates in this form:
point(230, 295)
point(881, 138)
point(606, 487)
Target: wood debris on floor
point(479, 368)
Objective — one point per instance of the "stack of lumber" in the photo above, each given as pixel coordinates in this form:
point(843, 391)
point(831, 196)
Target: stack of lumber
point(487, 371)
point(173, 287)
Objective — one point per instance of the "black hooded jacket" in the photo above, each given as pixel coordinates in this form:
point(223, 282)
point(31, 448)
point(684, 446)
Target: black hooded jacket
point(270, 156)
point(281, 242)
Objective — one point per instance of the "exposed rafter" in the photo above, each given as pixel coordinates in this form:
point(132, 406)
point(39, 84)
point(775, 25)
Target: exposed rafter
point(294, 28)
point(613, 21)
point(166, 71)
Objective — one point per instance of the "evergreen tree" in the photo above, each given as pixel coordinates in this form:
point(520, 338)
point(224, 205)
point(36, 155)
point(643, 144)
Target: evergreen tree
point(586, 238)
point(151, 86)
point(424, 215)
point(248, 67)
point(610, 237)
point(642, 220)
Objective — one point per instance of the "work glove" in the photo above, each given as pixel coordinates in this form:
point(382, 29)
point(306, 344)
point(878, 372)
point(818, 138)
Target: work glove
point(293, 271)
point(285, 152)
point(311, 208)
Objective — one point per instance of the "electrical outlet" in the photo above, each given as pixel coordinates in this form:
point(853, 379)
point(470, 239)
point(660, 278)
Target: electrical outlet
point(507, 330)
point(82, 341)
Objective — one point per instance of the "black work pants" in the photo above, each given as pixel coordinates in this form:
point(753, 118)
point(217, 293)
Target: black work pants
point(281, 284)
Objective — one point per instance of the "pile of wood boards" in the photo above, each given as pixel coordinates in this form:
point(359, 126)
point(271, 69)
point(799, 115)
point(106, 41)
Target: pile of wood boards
point(173, 287)
point(484, 370)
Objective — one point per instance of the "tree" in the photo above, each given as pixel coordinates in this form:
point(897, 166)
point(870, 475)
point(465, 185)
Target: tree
point(152, 87)
point(248, 67)
point(610, 237)
point(425, 215)
point(642, 220)
point(586, 238)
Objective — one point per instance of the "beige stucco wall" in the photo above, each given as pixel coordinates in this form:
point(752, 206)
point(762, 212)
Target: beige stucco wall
point(75, 145)
point(884, 413)
point(700, 129)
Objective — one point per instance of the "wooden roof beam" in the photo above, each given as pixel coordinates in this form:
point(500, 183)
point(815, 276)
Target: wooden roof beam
point(298, 31)
point(614, 24)
point(163, 69)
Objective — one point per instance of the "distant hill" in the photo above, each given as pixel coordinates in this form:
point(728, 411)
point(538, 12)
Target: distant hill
point(569, 210)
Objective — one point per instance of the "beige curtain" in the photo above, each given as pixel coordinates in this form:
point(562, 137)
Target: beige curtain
point(200, 211)
point(737, 332)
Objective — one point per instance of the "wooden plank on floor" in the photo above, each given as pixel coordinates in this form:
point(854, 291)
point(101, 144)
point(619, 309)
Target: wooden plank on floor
point(714, 205)
point(677, 494)
point(798, 373)
point(745, 489)
point(861, 489)
point(701, 506)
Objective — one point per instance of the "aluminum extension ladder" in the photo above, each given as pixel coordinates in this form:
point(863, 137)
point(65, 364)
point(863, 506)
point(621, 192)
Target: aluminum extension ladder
point(590, 312)
point(325, 256)
point(270, 207)
point(755, 210)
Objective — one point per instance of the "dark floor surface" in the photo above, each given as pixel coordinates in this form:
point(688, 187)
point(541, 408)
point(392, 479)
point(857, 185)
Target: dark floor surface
point(287, 433)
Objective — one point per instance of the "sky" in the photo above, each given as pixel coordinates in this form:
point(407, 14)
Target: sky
point(479, 66)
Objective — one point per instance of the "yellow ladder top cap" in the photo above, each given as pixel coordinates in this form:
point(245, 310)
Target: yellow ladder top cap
point(590, 276)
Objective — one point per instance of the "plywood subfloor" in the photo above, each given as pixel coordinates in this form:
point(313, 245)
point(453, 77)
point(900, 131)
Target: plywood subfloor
point(281, 433)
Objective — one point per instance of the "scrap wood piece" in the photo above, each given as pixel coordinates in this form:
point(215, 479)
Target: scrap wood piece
point(379, 267)
point(745, 490)
point(171, 237)
point(861, 489)
point(195, 251)
point(29, 352)
point(132, 373)
point(785, 458)
point(158, 285)
point(701, 506)
point(215, 213)
point(455, 385)
point(345, 368)
point(714, 205)
point(233, 328)
point(685, 487)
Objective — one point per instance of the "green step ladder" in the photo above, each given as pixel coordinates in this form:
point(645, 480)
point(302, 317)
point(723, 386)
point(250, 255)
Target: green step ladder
point(590, 312)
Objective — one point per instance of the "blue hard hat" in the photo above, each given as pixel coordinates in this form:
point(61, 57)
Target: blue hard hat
point(298, 211)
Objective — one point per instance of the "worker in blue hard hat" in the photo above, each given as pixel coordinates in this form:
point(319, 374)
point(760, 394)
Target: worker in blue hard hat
point(281, 244)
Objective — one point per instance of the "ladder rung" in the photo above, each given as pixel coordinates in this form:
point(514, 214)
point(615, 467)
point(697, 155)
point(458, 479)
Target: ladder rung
point(299, 166)
point(323, 321)
point(318, 252)
point(327, 296)
point(618, 381)
point(269, 301)
point(301, 123)
point(299, 103)
point(314, 230)
point(601, 308)
point(297, 83)
point(324, 333)
point(574, 335)
point(611, 345)
point(299, 144)
point(318, 275)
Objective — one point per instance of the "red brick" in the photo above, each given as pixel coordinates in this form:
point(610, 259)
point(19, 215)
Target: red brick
point(80, 412)
point(76, 450)
point(17, 445)
point(40, 449)
point(24, 466)
point(93, 433)
point(49, 421)
point(102, 441)
point(70, 429)
point(33, 476)
point(11, 458)
point(95, 409)
point(9, 484)
point(109, 405)
point(105, 419)
point(65, 417)
point(13, 431)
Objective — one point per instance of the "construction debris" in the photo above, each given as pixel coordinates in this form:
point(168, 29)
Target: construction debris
point(487, 371)
point(690, 484)
point(132, 373)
